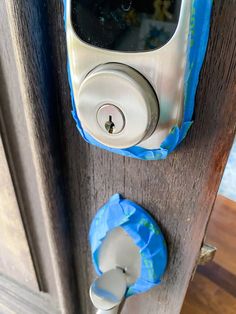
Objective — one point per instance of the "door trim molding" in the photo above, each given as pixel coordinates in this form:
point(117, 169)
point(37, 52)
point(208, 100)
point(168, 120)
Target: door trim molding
point(14, 298)
point(29, 132)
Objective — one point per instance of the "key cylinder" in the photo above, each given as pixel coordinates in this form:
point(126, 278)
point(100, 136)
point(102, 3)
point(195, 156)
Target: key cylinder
point(117, 106)
point(111, 119)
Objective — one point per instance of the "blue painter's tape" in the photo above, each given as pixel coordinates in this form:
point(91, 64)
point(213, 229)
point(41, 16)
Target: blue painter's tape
point(120, 212)
point(198, 39)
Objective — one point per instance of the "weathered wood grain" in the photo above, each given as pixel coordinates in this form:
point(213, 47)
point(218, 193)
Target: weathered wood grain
point(15, 257)
point(28, 126)
point(55, 161)
point(16, 299)
point(179, 192)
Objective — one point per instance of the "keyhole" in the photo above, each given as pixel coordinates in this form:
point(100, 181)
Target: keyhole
point(110, 126)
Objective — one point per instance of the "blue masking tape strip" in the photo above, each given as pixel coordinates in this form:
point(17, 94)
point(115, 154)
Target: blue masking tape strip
point(120, 212)
point(198, 39)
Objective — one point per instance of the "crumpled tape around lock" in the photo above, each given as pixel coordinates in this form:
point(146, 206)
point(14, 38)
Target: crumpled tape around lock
point(142, 228)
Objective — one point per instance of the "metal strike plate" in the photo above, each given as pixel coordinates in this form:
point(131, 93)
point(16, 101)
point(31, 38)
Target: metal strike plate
point(207, 254)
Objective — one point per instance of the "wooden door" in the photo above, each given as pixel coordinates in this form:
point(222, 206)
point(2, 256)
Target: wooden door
point(62, 181)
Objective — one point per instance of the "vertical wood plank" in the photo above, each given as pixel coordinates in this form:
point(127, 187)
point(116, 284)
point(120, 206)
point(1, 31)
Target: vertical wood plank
point(15, 257)
point(179, 191)
point(28, 126)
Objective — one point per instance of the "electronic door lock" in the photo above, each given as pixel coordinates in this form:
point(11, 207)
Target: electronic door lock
point(131, 71)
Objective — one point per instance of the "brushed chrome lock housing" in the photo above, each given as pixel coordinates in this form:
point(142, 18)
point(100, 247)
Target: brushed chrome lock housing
point(117, 106)
point(128, 88)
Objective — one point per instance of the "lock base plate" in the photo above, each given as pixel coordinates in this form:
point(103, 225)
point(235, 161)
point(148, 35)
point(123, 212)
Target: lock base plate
point(118, 250)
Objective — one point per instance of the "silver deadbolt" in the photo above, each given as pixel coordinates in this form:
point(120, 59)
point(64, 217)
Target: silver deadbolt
point(117, 106)
point(111, 119)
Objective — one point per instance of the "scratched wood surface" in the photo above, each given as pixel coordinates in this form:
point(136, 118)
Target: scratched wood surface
point(179, 192)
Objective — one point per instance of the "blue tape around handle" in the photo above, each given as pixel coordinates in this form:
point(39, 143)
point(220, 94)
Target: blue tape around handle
point(142, 228)
point(198, 39)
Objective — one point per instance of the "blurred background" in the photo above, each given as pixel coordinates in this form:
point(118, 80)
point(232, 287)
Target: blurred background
point(213, 289)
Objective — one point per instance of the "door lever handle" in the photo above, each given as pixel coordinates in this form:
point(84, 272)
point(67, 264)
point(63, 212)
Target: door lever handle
point(129, 254)
point(113, 311)
point(108, 291)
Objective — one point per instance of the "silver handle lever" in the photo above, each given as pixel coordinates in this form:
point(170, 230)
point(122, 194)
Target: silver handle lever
point(112, 311)
point(108, 291)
